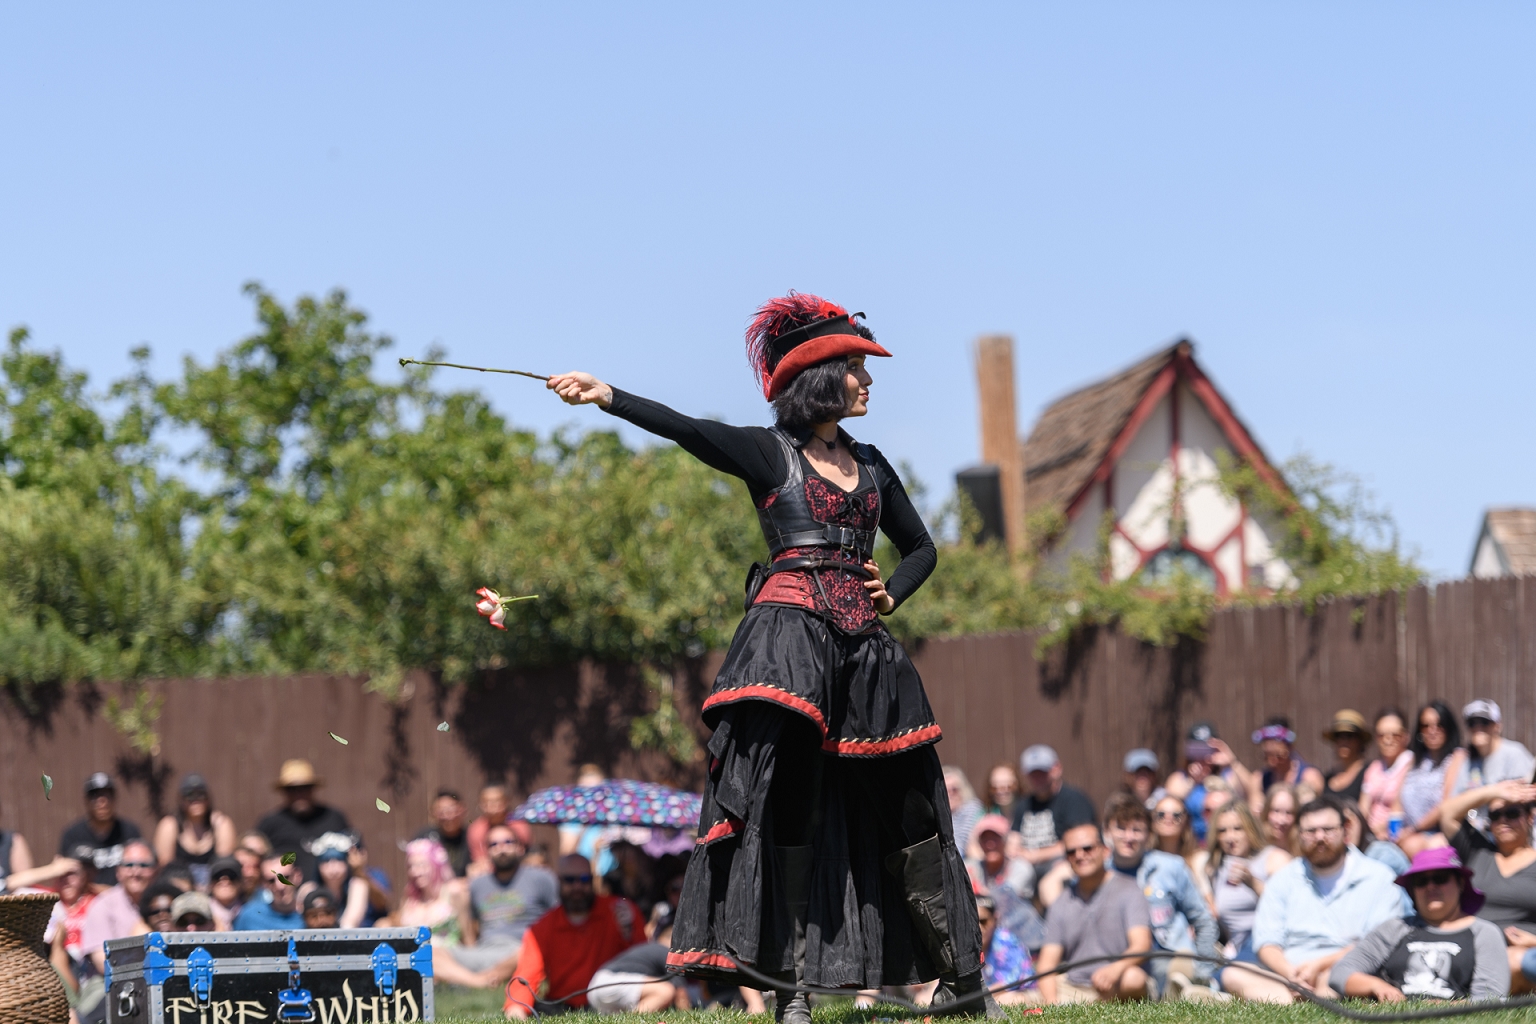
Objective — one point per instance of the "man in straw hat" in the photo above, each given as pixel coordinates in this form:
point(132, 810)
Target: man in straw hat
point(301, 819)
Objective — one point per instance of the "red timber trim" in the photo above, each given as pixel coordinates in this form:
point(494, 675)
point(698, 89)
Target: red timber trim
point(700, 958)
point(1159, 387)
point(870, 748)
point(757, 691)
point(720, 830)
point(1227, 420)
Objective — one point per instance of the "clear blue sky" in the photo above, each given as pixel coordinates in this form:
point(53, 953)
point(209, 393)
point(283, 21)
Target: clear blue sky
point(1334, 200)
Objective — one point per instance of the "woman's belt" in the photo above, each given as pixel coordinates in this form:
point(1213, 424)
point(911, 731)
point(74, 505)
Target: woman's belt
point(843, 538)
point(810, 563)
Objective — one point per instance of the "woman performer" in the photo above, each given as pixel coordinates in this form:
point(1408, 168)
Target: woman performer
point(826, 854)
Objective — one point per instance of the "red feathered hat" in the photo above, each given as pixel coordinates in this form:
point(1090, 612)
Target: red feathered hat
point(796, 332)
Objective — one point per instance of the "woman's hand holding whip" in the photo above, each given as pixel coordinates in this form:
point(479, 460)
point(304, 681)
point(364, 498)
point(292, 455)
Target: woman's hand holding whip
point(577, 388)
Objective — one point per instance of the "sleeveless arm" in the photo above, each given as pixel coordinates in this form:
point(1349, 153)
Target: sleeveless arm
point(900, 522)
point(751, 453)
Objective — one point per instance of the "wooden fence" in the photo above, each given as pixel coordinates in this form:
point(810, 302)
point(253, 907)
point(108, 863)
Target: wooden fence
point(1092, 701)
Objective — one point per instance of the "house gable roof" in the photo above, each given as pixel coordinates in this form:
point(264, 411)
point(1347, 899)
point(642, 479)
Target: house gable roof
point(1080, 436)
point(1515, 531)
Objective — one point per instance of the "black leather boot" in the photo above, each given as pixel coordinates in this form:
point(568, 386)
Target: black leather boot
point(790, 1005)
point(921, 870)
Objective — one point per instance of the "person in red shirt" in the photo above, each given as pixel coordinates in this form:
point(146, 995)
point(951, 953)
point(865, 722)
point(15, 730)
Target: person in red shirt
point(564, 948)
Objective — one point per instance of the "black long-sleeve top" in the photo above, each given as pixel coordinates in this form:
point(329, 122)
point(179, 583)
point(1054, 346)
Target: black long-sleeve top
point(754, 455)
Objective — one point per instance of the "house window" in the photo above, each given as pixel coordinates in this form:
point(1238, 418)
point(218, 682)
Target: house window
point(1161, 567)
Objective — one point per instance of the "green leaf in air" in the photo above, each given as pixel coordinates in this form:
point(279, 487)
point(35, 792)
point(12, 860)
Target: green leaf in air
point(289, 858)
point(442, 726)
point(48, 786)
point(381, 805)
point(338, 739)
point(282, 878)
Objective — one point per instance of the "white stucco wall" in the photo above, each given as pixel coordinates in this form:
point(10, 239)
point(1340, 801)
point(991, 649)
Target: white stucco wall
point(1486, 563)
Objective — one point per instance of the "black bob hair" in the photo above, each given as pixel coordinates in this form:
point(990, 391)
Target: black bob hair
point(818, 393)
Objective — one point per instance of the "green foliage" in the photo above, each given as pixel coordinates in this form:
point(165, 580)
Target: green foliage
point(1336, 542)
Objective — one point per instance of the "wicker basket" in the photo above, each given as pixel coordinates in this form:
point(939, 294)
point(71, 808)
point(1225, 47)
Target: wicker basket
point(30, 990)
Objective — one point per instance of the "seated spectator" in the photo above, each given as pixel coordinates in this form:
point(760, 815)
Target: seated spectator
point(15, 857)
point(564, 948)
point(179, 875)
point(191, 912)
point(1281, 803)
point(1173, 833)
point(1436, 750)
point(114, 913)
point(1180, 918)
point(301, 820)
point(1350, 736)
point(1008, 881)
point(98, 840)
point(591, 841)
point(1489, 757)
point(196, 834)
point(224, 900)
point(1358, 836)
point(1240, 865)
point(1139, 774)
point(320, 909)
point(447, 829)
point(1002, 790)
point(1503, 867)
point(1441, 951)
point(347, 889)
point(1045, 813)
point(281, 907)
point(964, 808)
point(636, 981)
point(435, 899)
point(1005, 959)
point(502, 905)
point(252, 851)
point(1277, 742)
point(1314, 909)
point(1206, 759)
point(155, 905)
point(1381, 792)
point(494, 809)
point(1099, 913)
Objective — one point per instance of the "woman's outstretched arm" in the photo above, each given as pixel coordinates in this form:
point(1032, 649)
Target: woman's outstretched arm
point(751, 453)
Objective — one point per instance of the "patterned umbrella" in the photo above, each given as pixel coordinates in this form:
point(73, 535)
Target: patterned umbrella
point(614, 802)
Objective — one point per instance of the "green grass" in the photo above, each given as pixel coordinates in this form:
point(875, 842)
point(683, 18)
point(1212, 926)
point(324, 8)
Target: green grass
point(457, 1006)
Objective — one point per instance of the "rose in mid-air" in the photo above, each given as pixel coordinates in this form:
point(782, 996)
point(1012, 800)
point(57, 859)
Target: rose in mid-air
point(494, 607)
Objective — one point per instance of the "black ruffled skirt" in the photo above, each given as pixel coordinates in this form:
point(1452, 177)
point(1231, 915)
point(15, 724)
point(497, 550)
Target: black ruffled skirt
point(871, 724)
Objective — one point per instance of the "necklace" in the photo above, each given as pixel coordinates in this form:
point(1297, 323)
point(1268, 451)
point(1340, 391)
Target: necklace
point(831, 445)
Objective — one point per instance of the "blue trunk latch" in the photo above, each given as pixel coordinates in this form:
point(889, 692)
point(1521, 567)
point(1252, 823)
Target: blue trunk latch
point(157, 966)
point(200, 976)
point(294, 1004)
point(386, 967)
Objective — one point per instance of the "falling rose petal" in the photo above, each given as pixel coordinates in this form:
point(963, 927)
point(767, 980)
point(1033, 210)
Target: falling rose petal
point(442, 726)
point(381, 805)
point(48, 785)
point(289, 858)
point(498, 617)
point(338, 739)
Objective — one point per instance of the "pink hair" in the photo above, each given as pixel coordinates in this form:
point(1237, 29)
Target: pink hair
point(442, 872)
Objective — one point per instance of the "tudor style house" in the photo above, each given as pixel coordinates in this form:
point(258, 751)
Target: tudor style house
point(1142, 445)
point(1506, 545)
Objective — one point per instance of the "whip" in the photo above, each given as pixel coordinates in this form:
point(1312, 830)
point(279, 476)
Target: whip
point(482, 369)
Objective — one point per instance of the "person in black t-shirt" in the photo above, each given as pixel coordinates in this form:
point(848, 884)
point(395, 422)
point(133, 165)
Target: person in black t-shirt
point(636, 981)
point(301, 820)
point(1044, 814)
point(448, 831)
point(97, 839)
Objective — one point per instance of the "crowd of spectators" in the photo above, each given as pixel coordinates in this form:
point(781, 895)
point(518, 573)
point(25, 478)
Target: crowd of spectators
point(478, 885)
point(1405, 869)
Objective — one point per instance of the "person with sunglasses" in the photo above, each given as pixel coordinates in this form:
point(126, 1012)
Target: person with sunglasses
point(564, 948)
point(1441, 951)
point(1503, 866)
point(1489, 757)
point(503, 904)
point(1099, 913)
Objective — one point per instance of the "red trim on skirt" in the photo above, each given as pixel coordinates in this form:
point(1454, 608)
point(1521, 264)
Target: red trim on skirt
point(721, 830)
point(700, 958)
point(773, 693)
point(915, 738)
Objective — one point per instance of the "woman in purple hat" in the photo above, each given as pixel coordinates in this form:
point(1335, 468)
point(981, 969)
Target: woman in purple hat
point(1442, 951)
point(1503, 862)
